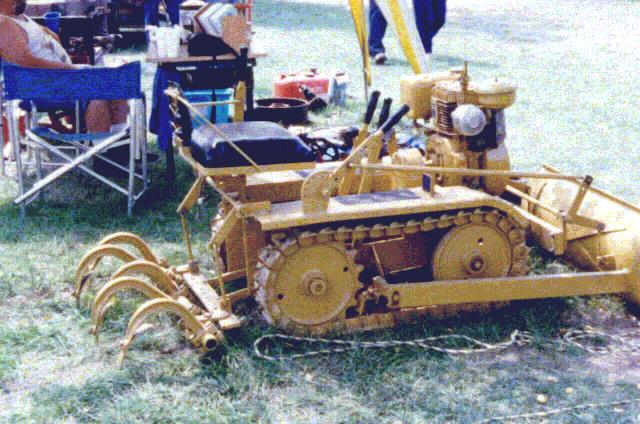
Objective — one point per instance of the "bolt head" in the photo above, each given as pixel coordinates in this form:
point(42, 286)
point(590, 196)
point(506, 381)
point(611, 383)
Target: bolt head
point(317, 287)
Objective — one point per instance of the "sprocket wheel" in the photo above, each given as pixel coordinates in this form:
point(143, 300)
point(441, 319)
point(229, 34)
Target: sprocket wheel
point(306, 289)
point(490, 246)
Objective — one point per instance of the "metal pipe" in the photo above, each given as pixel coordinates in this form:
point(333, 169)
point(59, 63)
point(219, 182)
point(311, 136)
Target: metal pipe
point(508, 288)
point(14, 136)
point(217, 102)
point(234, 275)
point(222, 193)
point(143, 144)
point(218, 266)
point(2, 128)
point(133, 116)
point(532, 199)
point(602, 193)
point(72, 163)
point(77, 147)
point(467, 172)
point(186, 234)
point(78, 124)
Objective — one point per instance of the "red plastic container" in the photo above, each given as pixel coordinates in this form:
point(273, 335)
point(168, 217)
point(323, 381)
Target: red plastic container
point(245, 6)
point(288, 85)
point(5, 127)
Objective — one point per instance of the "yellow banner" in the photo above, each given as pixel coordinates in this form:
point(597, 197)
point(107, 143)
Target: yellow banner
point(360, 22)
point(400, 15)
point(398, 19)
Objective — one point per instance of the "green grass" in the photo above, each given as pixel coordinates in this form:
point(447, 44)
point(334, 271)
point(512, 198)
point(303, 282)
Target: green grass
point(576, 109)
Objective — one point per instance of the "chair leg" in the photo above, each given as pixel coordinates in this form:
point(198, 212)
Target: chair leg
point(3, 170)
point(3, 167)
point(14, 137)
point(142, 127)
point(132, 156)
point(38, 154)
point(72, 164)
point(16, 150)
point(145, 178)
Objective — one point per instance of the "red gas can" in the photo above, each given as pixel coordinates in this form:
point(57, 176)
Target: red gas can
point(289, 85)
point(22, 125)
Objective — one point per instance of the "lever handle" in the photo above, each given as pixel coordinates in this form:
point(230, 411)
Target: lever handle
point(371, 107)
point(385, 111)
point(391, 122)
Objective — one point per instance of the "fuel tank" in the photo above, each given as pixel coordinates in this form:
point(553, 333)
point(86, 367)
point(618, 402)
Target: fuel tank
point(289, 85)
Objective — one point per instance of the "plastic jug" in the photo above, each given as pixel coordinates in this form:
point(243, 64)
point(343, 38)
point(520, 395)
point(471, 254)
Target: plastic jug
point(338, 89)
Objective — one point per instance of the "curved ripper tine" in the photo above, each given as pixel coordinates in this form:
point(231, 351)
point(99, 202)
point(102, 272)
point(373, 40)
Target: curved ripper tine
point(143, 329)
point(106, 293)
point(155, 306)
point(133, 240)
point(155, 272)
point(95, 330)
point(82, 277)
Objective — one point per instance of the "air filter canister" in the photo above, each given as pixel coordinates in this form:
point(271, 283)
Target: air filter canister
point(468, 120)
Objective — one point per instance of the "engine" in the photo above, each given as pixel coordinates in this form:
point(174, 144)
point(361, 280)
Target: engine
point(465, 124)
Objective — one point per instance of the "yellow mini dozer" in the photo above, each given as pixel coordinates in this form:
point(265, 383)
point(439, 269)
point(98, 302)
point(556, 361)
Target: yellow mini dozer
point(366, 242)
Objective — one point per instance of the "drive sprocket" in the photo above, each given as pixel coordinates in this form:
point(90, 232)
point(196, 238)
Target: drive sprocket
point(306, 287)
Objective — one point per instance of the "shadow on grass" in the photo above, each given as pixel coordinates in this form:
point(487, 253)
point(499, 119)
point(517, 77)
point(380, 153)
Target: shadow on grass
point(69, 400)
point(544, 319)
point(81, 208)
point(366, 378)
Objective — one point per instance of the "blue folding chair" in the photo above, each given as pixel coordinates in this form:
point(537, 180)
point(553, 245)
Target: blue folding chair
point(77, 87)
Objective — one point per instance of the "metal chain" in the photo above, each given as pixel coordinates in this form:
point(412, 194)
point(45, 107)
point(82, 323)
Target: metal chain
point(587, 339)
point(517, 338)
point(558, 411)
point(591, 340)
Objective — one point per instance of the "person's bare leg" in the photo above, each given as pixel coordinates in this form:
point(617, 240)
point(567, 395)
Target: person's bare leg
point(102, 114)
point(98, 116)
point(118, 111)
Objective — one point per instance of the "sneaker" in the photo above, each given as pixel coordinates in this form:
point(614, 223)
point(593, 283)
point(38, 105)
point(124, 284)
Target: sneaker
point(380, 58)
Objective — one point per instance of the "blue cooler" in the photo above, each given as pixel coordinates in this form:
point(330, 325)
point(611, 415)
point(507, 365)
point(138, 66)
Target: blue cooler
point(202, 96)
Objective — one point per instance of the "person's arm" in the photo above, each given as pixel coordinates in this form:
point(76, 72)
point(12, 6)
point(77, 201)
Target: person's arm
point(14, 48)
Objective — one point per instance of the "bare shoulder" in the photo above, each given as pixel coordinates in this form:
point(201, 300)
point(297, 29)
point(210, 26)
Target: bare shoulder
point(10, 30)
point(11, 25)
point(13, 39)
point(6, 21)
point(8, 26)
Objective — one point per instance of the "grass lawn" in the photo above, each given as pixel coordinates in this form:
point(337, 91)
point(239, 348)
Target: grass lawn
point(576, 64)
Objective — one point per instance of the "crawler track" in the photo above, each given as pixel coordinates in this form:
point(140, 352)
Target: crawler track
point(274, 259)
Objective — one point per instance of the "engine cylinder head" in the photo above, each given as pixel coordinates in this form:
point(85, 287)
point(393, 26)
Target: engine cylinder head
point(442, 116)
